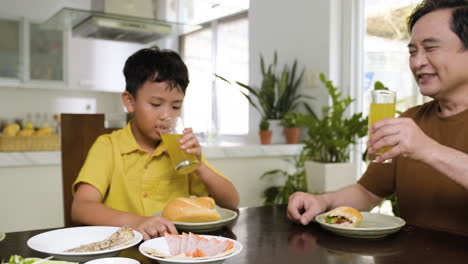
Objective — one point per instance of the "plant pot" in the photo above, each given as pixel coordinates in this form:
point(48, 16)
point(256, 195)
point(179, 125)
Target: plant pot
point(277, 131)
point(328, 177)
point(265, 137)
point(292, 134)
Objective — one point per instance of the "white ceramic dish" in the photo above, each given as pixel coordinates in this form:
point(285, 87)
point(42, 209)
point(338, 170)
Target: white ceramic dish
point(2, 236)
point(160, 245)
point(372, 226)
point(227, 217)
point(115, 260)
point(56, 242)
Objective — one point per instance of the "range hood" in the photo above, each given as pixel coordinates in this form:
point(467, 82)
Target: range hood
point(103, 25)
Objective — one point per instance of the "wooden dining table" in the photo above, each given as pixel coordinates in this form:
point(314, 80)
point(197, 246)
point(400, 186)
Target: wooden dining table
point(269, 237)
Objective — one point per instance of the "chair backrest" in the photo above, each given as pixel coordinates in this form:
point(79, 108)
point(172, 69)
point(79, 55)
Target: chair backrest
point(78, 133)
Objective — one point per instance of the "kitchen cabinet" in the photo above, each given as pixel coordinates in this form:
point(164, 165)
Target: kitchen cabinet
point(31, 56)
point(97, 65)
point(46, 54)
point(10, 49)
point(34, 57)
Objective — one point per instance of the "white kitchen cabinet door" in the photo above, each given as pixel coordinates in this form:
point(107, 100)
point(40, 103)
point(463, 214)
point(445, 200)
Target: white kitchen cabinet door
point(10, 49)
point(98, 64)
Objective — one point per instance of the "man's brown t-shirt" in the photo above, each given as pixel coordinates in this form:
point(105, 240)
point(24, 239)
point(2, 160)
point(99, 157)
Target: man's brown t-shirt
point(426, 197)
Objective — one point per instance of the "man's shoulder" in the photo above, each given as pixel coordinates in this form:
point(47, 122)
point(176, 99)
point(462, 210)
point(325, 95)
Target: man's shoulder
point(420, 110)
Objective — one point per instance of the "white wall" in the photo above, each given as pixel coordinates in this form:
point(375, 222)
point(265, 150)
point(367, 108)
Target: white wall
point(299, 30)
point(17, 102)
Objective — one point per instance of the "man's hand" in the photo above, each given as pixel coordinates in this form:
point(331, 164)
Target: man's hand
point(156, 226)
point(303, 207)
point(404, 135)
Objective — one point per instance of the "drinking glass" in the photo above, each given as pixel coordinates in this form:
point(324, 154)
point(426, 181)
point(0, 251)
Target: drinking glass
point(182, 161)
point(382, 105)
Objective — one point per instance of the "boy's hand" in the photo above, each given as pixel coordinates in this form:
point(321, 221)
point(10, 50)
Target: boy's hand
point(156, 226)
point(190, 143)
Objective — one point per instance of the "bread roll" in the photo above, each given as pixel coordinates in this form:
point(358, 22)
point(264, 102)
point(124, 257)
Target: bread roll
point(193, 210)
point(344, 215)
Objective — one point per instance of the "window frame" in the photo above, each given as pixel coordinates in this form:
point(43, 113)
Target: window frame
point(221, 139)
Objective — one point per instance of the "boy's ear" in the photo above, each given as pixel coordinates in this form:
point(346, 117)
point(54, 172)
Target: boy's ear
point(129, 101)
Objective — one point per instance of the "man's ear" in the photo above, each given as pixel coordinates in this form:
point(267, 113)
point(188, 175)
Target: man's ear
point(129, 101)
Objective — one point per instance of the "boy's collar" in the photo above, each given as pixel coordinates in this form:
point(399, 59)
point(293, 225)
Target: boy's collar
point(130, 143)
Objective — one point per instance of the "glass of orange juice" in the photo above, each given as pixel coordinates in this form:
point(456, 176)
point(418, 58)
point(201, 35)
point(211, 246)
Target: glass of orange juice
point(182, 161)
point(382, 106)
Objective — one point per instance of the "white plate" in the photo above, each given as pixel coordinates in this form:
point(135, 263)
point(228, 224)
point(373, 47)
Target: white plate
point(227, 217)
point(372, 226)
point(160, 244)
point(55, 242)
point(2, 236)
point(116, 260)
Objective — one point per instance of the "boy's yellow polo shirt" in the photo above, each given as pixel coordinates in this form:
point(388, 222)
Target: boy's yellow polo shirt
point(132, 180)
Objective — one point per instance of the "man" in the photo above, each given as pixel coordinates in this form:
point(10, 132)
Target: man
point(429, 172)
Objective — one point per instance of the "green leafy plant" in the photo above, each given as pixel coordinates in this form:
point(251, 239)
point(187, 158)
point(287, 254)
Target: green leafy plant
point(329, 137)
point(264, 124)
point(291, 119)
point(277, 95)
point(379, 86)
point(294, 181)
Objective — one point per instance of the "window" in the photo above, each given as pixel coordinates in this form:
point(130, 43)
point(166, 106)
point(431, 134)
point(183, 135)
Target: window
point(381, 48)
point(211, 105)
point(386, 51)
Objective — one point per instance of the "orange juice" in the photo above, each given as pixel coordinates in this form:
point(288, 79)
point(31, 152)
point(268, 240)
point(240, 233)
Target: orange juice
point(379, 112)
point(182, 161)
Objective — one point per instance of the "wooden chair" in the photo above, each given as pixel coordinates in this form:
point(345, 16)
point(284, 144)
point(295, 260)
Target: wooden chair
point(78, 133)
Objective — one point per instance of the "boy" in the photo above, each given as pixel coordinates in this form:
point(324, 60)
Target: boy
point(127, 176)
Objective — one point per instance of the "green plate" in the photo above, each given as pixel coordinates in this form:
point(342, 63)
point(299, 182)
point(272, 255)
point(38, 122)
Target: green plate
point(373, 225)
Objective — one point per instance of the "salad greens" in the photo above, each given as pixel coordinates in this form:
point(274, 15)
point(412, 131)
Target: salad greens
point(328, 219)
point(16, 259)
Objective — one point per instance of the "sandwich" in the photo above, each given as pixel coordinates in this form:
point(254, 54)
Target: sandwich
point(345, 216)
point(192, 210)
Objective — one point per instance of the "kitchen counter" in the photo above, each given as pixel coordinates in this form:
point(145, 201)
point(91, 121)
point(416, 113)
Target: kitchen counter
point(46, 158)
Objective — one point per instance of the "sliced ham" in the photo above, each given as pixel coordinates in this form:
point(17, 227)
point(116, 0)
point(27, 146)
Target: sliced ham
point(183, 243)
point(218, 248)
point(192, 245)
point(174, 242)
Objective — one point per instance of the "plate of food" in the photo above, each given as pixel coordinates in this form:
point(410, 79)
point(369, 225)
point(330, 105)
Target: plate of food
point(190, 248)
point(113, 260)
point(349, 222)
point(197, 214)
point(85, 243)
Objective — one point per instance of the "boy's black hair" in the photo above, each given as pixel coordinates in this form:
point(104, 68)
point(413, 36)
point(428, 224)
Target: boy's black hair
point(153, 64)
point(459, 23)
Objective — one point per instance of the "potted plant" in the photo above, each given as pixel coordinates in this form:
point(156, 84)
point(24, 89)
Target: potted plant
point(265, 132)
point(276, 95)
point(292, 130)
point(294, 181)
point(328, 142)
